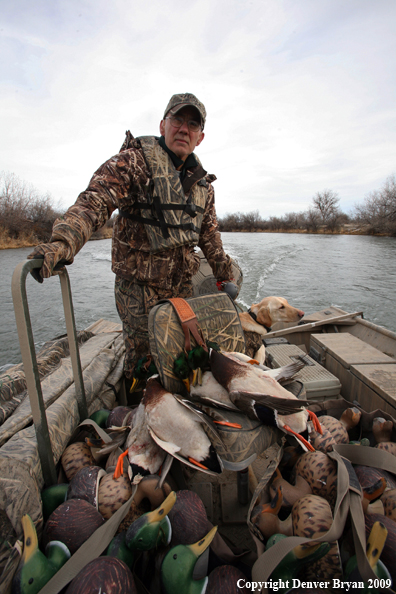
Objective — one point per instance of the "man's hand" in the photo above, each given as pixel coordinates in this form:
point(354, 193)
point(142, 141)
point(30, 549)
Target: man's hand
point(54, 255)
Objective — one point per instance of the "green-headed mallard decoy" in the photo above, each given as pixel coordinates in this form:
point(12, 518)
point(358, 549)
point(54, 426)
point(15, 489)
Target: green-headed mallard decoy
point(35, 568)
point(151, 529)
point(375, 545)
point(257, 393)
point(291, 564)
point(178, 567)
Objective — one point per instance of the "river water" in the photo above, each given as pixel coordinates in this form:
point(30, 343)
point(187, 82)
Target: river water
point(356, 273)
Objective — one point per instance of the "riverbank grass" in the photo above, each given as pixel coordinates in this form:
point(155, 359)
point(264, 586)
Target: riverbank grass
point(23, 240)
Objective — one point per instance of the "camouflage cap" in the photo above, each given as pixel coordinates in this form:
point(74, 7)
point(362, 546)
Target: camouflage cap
point(182, 100)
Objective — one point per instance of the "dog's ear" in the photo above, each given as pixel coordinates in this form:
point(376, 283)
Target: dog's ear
point(263, 317)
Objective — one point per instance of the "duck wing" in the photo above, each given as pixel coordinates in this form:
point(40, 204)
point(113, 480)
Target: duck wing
point(283, 374)
point(282, 405)
point(203, 417)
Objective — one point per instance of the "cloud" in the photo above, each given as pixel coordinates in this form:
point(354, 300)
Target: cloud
point(300, 96)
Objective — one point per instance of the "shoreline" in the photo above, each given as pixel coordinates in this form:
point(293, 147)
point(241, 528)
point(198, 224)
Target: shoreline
point(7, 243)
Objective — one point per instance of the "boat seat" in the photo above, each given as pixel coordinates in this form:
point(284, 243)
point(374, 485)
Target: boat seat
point(367, 375)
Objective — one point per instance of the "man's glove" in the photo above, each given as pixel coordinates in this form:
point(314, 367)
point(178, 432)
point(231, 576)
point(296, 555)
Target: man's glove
point(228, 287)
point(54, 255)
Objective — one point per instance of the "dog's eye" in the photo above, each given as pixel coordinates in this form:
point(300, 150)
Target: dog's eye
point(282, 307)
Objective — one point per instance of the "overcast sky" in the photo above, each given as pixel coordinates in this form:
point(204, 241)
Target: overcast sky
point(300, 94)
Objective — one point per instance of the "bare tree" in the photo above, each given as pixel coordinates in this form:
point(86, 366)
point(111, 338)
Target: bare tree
point(326, 203)
point(378, 211)
point(312, 220)
point(23, 211)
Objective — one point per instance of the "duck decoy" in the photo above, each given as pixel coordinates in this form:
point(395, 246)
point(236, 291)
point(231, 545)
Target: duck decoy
point(375, 545)
point(261, 396)
point(119, 549)
point(76, 456)
point(85, 484)
point(388, 554)
point(53, 496)
point(100, 417)
point(178, 567)
point(35, 568)
point(291, 493)
point(151, 529)
point(104, 574)
point(382, 430)
point(350, 418)
point(320, 472)
point(188, 518)
point(389, 502)
point(291, 564)
point(310, 516)
point(72, 523)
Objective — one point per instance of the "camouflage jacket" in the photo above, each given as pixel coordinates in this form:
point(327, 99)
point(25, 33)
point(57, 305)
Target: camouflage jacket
point(119, 184)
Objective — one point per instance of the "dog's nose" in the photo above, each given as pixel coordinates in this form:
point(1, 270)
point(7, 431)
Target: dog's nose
point(301, 313)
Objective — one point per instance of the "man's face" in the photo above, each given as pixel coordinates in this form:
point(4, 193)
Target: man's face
point(182, 141)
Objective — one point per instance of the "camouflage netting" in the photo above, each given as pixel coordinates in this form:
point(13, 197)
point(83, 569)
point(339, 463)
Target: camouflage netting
point(21, 479)
point(54, 384)
point(218, 320)
point(13, 382)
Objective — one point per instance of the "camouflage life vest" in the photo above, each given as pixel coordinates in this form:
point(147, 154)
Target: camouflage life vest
point(170, 219)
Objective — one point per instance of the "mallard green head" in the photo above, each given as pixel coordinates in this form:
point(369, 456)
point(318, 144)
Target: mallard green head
point(35, 568)
point(152, 529)
point(119, 549)
point(178, 567)
point(144, 369)
point(100, 417)
point(292, 563)
point(182, 369)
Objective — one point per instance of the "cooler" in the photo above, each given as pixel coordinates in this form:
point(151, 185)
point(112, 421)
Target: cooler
point(318, 382)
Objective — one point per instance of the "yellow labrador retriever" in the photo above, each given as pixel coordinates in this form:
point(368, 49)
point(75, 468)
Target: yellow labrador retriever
point(259, 319)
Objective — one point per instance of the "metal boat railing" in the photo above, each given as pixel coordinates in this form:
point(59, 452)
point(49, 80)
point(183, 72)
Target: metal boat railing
point(29, 360)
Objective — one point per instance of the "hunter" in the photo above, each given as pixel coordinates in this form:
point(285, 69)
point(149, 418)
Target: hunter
point(166, 207)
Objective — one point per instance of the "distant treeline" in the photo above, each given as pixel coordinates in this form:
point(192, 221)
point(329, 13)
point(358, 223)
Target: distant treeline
point(375, 215)
point(26, 216)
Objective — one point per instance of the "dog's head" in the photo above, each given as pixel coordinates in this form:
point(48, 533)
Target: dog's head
point(275, 309)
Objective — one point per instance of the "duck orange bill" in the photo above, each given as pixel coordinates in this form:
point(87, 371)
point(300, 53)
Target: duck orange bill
point(120, 465)
point(227, 424)
point(374, 491)
point(299, 437)
point(315, 422)
point(94, 443)
point(197, 463)
point(274, 506)
point(253, 362)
